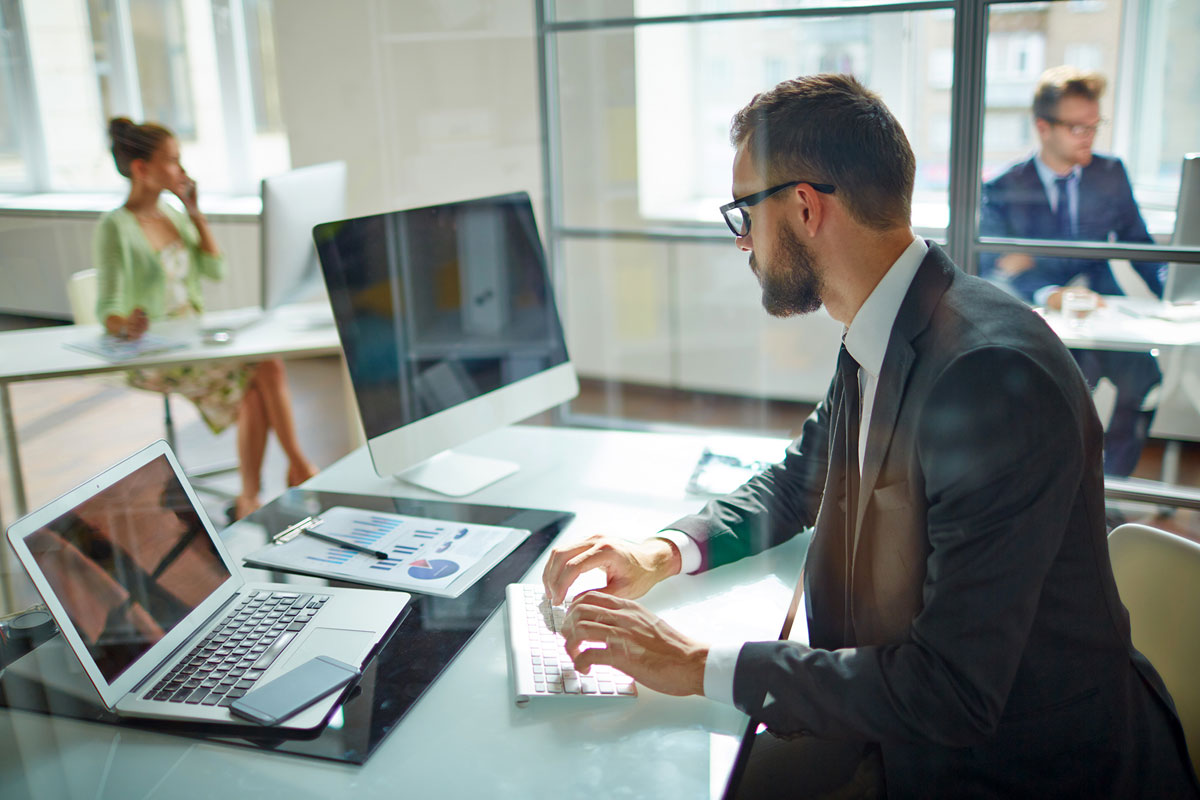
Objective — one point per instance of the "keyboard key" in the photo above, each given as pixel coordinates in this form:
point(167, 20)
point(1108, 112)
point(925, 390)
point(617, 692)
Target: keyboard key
point(271, 653)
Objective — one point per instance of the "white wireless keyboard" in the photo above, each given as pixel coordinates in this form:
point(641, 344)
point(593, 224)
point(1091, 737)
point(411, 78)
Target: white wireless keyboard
point(537, 659)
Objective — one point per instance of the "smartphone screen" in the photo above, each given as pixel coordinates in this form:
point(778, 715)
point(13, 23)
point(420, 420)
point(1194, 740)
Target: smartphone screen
point(294, 691)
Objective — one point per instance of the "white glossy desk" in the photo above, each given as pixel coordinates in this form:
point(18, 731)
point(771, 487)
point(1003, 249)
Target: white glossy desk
point(37, 354)
point(1129, 324)
point(466, 738)
point(1124, 323)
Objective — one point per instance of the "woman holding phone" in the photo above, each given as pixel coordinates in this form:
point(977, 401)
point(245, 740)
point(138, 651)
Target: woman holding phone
point(151, 259)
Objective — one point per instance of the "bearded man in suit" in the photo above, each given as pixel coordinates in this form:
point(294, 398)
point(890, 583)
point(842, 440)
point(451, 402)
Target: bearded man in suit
point(1066, 192)
point(965, 637)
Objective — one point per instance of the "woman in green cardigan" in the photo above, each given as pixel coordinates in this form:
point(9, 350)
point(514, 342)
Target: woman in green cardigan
point(150, 259)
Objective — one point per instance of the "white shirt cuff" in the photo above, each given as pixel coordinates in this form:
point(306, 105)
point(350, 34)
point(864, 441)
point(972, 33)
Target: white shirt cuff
point(689, 551)
point(1042, 295)
point(718, 672)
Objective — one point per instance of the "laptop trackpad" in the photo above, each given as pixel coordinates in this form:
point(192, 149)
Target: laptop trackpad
point(344, 645)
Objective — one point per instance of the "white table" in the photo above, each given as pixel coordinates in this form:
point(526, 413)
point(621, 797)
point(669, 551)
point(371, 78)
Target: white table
point(1131, 324)
point(466, 737)
point(36, 354)
point(1125, 323)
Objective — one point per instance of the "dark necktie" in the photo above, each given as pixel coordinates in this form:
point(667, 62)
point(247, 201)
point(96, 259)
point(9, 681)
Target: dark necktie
point(1062, 211)
point(850, 413)
point(848, 368)
point(851, 405)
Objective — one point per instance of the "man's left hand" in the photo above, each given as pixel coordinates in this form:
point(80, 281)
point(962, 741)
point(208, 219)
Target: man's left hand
point(634, 641)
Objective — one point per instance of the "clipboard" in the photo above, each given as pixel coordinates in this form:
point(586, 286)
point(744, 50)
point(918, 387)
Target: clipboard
point(432, 556)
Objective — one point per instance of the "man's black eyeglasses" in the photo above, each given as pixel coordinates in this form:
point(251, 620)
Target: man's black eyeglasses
point(1078, 129)
point(739, 221)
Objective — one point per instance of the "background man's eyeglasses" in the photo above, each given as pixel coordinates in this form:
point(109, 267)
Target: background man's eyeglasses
point(1077, 129)
point(735, 213)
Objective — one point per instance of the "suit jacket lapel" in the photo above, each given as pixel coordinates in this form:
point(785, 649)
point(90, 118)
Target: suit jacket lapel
point(928, 285)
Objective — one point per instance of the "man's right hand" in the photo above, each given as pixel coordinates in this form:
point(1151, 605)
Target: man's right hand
point(1014, 264)
point(632, 567)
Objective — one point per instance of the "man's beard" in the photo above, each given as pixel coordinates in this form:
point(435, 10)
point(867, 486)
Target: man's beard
point(791, 285)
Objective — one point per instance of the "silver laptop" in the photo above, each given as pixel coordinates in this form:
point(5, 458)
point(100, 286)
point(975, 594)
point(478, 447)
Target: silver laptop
point(153, 605)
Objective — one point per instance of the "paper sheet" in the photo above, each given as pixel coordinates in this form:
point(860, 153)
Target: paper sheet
point(424, 555)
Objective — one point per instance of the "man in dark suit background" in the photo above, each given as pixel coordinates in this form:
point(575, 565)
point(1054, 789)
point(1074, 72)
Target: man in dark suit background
point(1067, 192)
point(965, 633)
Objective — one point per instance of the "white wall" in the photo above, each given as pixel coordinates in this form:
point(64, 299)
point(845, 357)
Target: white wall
point(426, 101)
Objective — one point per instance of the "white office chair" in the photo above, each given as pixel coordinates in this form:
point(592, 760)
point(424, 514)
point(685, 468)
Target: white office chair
point(1158, 577)
point(82, 292)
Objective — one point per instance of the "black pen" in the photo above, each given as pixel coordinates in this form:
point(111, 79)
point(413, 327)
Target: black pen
point(334, 540)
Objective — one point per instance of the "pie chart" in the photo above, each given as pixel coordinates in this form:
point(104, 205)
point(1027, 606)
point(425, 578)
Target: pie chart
point(432, 569)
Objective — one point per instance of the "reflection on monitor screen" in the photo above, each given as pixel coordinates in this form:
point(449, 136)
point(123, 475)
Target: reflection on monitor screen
point(449, 327)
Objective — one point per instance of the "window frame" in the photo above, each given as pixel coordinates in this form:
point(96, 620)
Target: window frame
point(234, 77)
point(971, 22)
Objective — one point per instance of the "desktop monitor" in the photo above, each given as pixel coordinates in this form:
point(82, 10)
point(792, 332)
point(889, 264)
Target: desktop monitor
point(1183, 280)
point(448, 322)
point(292, 203)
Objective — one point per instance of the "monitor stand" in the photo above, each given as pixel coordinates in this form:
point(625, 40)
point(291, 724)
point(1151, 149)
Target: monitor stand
point(456, 474)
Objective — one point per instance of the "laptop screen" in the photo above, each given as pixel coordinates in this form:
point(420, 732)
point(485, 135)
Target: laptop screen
point(129, 564)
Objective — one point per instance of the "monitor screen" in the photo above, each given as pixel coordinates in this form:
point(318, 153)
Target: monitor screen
point(437, 307)
point(128, 564)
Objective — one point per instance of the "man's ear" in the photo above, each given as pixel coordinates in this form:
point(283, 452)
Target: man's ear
point(1042, 128)
point(811, 208)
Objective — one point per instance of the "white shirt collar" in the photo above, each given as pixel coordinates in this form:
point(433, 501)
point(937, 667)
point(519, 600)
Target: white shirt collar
point(867, 337)
point(1048, 175)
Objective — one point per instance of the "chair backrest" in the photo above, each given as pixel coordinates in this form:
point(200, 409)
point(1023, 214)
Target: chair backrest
point(81, 292)
point(1158, 577)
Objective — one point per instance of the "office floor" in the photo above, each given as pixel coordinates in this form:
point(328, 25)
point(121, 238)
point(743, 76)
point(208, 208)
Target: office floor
point(72, 428)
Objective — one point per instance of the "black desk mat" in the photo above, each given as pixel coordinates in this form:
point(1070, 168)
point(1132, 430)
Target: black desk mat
point(426, 640)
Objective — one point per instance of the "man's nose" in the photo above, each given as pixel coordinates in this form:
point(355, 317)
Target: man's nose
point(743, 243)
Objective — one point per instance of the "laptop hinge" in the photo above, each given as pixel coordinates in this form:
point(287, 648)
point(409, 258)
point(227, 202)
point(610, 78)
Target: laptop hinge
point(170, 657)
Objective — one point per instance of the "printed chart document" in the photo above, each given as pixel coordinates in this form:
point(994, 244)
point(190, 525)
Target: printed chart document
point(431, 556)
point(115, 350)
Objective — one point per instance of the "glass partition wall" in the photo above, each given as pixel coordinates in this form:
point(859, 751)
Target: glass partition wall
point(663, 315)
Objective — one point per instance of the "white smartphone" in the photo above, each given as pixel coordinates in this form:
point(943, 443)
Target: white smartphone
point(294, 690)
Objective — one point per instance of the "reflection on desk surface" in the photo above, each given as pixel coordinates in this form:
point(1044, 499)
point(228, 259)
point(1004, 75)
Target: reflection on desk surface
point(408, 662)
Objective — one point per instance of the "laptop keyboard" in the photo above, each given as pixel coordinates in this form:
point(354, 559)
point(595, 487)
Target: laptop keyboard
point(238, 650)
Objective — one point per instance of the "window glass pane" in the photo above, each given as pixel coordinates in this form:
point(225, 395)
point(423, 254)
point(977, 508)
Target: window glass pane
point(644, 112)
point(1149, 111)
point(162, 60)
point(675, 333)
point(13, 169)
point(271, 151)
point(264, 85)
point(105, 54)
point(68, 99)
point(577, 10)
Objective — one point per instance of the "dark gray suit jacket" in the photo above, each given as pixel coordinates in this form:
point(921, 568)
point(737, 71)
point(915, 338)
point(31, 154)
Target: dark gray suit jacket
point(969, 623)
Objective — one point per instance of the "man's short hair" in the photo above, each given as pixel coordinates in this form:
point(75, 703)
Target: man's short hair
point(832, 129)
point(1065, 81)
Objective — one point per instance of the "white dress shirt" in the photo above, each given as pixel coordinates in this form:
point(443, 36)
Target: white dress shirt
point(866, 340)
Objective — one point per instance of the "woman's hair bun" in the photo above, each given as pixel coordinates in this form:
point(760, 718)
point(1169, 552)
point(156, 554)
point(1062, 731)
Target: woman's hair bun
point(131, 141)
